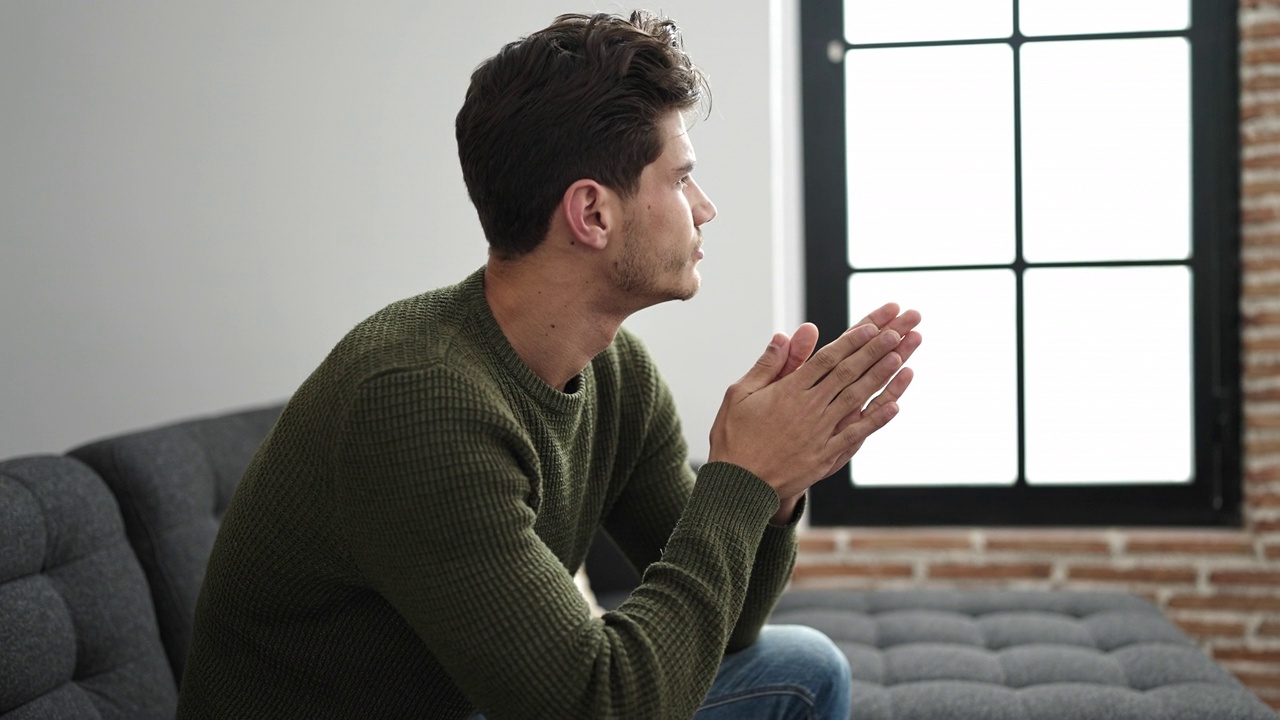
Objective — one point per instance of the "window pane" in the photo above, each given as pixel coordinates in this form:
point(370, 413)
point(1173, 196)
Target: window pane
point(958, 424)
point(878, 21)
point(930, 163)
point(1106, 150)
point(1055, 17)
point(1108, 375)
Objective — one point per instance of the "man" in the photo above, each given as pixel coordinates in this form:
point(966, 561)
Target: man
point(404, 542)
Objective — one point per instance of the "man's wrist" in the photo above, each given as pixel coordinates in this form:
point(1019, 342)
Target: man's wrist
point(786, 511)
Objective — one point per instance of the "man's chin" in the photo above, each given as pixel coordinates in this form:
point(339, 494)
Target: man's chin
point(692, 289)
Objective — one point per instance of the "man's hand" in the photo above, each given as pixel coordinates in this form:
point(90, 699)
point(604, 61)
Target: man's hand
point(793, 422)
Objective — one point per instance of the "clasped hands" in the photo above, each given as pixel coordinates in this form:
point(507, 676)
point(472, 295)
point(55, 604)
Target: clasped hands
point(794, 419)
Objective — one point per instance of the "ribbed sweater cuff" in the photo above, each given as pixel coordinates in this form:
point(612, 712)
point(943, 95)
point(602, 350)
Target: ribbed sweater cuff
point(732, 498)
point(783, 533)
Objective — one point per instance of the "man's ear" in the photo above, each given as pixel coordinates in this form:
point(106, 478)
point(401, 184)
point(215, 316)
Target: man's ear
point(591, 211)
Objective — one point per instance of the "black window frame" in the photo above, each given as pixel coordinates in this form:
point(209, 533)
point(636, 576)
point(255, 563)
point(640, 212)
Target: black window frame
point(1214, 496)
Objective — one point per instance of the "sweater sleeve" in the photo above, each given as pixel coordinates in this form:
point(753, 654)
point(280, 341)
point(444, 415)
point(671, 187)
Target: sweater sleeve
point(654, 500)
point(437, 501)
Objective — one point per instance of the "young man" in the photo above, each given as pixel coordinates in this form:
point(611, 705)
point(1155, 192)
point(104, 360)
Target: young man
point(404, 542)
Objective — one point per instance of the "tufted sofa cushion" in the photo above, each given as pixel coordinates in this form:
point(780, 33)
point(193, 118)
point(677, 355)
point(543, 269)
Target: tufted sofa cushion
point(1012, 655)
point(79, 636)
point(173, 484)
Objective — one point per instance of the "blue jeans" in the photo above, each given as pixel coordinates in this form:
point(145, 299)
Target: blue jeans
point(791, 672)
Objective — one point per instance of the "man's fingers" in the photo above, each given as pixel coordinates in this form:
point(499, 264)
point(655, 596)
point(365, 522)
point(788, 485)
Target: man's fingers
point(803, 341)
point(851, 437)
point(904, 323)
point(880, 317)
point(850, 370)
point(892, 393)
point(836, 352)
point(856, 394)
point(767, 366)
point(909, 343)
point(849, 440)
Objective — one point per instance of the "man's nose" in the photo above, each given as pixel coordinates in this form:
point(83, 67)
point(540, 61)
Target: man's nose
point(704, 211)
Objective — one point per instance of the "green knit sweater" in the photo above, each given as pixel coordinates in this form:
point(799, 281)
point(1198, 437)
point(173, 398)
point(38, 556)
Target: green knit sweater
point(403, 543)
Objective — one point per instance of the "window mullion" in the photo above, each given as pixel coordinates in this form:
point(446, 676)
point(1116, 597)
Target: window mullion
point(1019, 263)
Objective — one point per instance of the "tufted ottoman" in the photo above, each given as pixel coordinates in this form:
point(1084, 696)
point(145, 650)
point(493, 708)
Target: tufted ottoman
point(1015, 655)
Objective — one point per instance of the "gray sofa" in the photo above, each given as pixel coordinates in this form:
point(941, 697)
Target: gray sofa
point(102, 552)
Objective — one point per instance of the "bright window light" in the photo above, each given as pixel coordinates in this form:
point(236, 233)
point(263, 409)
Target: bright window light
point(958, 424)
point(930, 156)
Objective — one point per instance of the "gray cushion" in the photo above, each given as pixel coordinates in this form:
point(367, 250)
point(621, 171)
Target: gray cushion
point(1015, 655)
point(79, 636)
point(173, 485)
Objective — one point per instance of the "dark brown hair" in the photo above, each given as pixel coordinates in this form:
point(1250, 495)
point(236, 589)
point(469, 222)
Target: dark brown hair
point(579, 99)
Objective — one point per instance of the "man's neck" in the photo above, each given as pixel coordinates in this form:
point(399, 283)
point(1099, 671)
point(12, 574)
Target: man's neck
point(551, 316)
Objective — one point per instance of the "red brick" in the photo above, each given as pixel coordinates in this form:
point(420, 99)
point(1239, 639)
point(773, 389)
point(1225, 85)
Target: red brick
point(872, 570)
point(1257, 680)
point(1262, 344)
point(955, 571)
point(1264, 603)
point(1259, 135)
point(1269, 446)
point(1263, 318)
point(1262, 497)
point(1263, 475)
point(1272, 552)
point(1269, 628)
point(1251, 110)
point(816, 543)
point(912, 540)
point(1057, 543)
point(1260, 214)
point(1265, 263)
point(1260, 56)
point(1262, 264)
point(1246, 655)
point(1260, 289)
point(1260, 82)
point(1245, 577)
point(1189, 542)
point(1264, 527)
point(1135, 575)
point(1261, 29)
point(1211, 628)
point(1257, 419)
point(1259, 188)
point(1268, 160)
point(1259, 239)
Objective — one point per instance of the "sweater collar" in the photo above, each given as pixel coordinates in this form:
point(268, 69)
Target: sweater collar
point(495, 343)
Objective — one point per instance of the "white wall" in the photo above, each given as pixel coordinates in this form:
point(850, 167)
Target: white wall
point(198, 199)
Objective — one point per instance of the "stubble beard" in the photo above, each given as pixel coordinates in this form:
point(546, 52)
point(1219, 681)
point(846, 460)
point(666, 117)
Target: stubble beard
point(641, 276)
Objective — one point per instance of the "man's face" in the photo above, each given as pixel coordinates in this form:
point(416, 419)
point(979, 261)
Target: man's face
point(662, 235)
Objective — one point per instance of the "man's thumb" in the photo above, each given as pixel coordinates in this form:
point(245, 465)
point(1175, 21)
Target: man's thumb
point(767, 367)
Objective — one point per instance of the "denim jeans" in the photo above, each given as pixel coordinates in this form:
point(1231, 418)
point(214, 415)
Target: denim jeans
point(791, 672)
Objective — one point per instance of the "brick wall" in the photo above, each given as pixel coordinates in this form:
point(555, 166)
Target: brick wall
point(1221, 586)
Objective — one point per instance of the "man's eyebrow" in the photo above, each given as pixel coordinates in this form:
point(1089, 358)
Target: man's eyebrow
point(686, 168)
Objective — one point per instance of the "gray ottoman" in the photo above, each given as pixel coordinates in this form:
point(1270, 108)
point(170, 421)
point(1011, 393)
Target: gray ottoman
point(1018, 655)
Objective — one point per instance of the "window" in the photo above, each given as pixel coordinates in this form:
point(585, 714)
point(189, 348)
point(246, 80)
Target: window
point(1054, 184)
